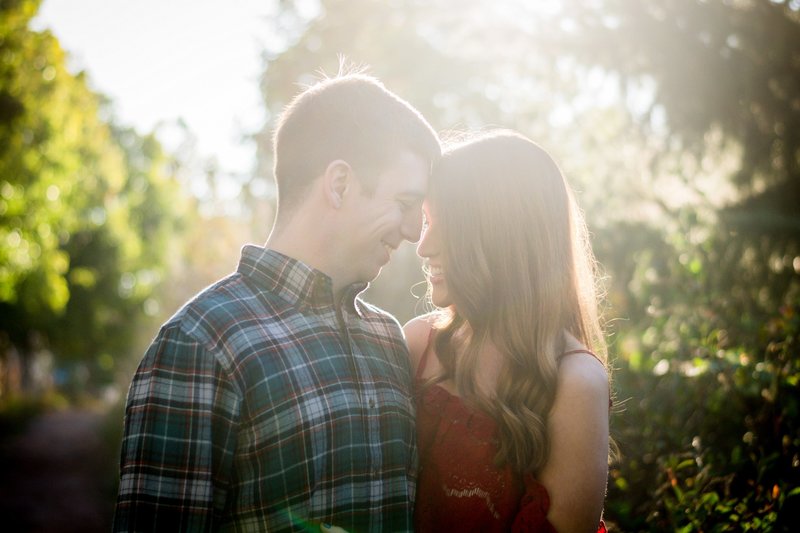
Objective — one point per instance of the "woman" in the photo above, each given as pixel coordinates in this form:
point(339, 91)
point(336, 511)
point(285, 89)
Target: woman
point(512, 384)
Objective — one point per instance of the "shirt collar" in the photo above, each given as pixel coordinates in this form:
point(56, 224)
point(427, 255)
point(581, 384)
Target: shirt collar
point(293, 280)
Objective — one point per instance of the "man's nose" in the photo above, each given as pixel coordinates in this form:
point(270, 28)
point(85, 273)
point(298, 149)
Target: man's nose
point(412, 227)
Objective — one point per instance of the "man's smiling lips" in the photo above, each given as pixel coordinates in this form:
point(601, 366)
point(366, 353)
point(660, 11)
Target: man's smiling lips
point(388, 247)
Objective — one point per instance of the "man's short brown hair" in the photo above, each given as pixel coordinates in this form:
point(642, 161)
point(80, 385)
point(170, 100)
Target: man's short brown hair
point(351, 117)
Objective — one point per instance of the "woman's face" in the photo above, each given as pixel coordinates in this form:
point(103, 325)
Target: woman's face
point(430, 249)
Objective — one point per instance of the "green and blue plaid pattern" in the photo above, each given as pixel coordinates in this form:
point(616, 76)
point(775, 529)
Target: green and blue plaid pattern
point(263, 406)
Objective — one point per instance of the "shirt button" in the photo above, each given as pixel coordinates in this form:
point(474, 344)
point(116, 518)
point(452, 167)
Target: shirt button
point(372, 403)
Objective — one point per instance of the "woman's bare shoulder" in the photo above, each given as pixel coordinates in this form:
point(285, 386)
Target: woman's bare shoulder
point(577, 467)
point(581, 372)
point(582, 375)
point(417, 331)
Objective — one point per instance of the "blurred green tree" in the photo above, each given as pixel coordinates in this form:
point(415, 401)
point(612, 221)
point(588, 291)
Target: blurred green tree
point(86, 208)
point(719, 76)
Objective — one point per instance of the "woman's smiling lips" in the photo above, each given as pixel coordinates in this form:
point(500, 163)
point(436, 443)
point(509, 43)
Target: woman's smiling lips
point(435, 273)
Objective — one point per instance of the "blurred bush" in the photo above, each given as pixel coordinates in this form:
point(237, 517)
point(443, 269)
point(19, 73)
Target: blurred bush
point(710, 438)
point(707, 387)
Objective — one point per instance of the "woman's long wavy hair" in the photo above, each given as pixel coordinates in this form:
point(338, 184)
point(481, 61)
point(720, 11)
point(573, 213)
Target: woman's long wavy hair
point(520, 273)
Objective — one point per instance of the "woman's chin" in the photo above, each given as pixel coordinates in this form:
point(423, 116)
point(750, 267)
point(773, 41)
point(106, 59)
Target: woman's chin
point(440, 298)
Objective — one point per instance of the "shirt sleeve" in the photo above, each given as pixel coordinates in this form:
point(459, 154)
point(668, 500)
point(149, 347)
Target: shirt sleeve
point(180, 436)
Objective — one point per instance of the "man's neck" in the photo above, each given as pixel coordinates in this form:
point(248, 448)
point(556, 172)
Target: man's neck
point(307, 239)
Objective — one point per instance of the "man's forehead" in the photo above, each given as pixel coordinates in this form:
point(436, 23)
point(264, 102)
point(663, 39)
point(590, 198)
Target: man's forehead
point(407, 175)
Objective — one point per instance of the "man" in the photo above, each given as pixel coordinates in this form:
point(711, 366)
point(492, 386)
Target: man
point(277, 399)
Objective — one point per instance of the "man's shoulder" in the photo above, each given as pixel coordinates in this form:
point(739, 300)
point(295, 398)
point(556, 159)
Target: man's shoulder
point(227, 319)
point(225, 306)
point(225, 292)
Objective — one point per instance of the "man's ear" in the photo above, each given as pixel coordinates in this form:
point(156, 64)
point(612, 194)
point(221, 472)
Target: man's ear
point(337, 180)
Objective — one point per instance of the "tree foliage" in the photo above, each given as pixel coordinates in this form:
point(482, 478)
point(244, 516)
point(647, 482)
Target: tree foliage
point(86, 207)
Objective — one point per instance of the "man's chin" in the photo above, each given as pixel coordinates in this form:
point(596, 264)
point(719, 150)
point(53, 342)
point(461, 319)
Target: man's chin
point(372, 276)
point(377, 273)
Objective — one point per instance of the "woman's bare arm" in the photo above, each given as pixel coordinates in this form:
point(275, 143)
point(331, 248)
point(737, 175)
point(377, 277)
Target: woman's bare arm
point(576, 471)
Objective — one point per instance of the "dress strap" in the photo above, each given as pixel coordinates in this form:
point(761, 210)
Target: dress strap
point(564, 354)
point(423, 362)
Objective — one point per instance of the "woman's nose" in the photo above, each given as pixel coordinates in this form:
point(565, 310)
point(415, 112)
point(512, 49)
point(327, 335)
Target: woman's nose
point(428, 243)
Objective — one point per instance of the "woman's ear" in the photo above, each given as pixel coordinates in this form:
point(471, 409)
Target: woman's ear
point(336, 182)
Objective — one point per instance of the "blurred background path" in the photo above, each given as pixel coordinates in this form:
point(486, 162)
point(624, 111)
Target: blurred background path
point(55, 475)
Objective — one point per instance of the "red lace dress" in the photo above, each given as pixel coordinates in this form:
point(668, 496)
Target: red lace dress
point(458, 487)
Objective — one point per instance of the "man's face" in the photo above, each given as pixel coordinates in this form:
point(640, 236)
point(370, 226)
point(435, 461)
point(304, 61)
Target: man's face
point(377, 224)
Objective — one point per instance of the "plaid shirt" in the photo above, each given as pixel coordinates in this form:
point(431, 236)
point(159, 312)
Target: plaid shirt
point(263, 406)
